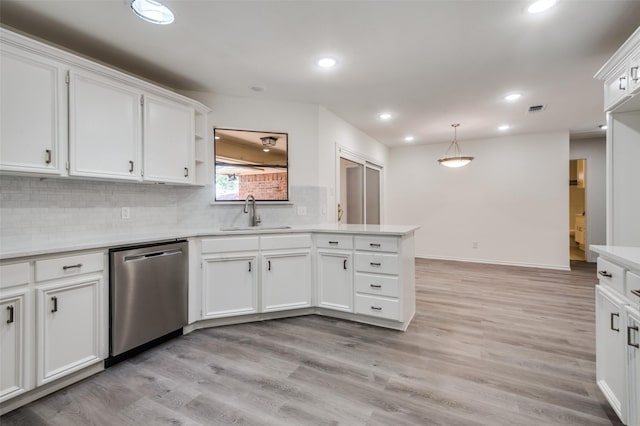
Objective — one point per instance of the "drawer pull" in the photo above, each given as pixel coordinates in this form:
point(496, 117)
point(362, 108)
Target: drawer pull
point(629, 328)
point(605, 274)
point(634, 73)
point(10, 320)
point(376, 308)
point(334, 243)
point(54, 299)
point(374, 245)
point(375, 285)
point(48, 156)
point(79, 265)
point(636, 292)
point(249, 266)
point(614, 314)
point(344, 264)
point(622, 83)
point(377, 264)
point(186, 172)
point(268, 265)
point(130, 166)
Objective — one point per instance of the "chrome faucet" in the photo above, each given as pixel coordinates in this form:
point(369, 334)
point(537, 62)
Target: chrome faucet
point(255, 219)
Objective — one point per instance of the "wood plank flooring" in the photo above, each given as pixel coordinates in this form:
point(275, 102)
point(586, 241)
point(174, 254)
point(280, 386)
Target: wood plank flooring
point(489, 345)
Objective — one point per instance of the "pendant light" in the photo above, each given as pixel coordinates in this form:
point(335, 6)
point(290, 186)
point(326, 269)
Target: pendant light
point(455, 160)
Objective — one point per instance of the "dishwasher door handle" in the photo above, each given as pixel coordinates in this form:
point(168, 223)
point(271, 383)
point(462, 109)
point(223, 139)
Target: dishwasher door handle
point(152, 254)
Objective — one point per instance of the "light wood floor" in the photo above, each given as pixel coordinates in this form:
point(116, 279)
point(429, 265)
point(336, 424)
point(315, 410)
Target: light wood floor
point(490, 345)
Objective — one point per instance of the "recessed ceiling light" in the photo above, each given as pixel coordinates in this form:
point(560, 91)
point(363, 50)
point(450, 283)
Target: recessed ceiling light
point(541, 6)
point(513, 96)
point(257, 88)
point(326, 62)
point(503, 127)
point(603, 127)
point(408, 138)
point(152, 11)
point(266, 149)
point(384, 116)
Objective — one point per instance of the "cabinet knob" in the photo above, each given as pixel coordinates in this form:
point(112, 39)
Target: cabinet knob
point(10, 309)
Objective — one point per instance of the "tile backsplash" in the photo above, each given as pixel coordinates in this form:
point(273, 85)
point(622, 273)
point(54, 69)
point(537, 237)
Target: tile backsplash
point(49, 209)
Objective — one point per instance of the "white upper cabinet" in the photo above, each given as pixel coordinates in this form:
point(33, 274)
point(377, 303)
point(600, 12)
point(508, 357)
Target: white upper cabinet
point(169, 136)
point(105, 125)
point(32, 112)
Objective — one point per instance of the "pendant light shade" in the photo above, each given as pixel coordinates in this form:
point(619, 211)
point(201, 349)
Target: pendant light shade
point(456, 159)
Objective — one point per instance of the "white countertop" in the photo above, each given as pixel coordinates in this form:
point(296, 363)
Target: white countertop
point(36, 248)
point(629, 256)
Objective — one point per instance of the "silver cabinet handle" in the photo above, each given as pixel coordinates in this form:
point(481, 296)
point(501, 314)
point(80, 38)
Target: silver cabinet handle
point(629, 328)
point(605, 274)
point(130, 166)
point(614, 314)
point(10, 309)
point(622, 83)
point(376, 308)
point(48, 156)
point(79, 265)
point(634, 73)
point(54, 299)
point(186, 172)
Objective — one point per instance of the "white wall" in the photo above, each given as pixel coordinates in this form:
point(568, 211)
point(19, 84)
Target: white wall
point(332, 131)
point(594, 151)
point(513, 200)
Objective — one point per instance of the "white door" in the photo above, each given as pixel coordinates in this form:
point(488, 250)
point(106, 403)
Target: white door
point(68, 329)
point(286, 281)
point(32, 112)
point(633, 362)
point(611, 350)
point(169, 141)
point(230, 286)
point(335, 280)
point(105, 128)
point(12, 346)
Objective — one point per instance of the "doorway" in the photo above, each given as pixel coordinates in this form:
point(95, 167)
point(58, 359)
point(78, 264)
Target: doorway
point(577, 209)
point(360, 183)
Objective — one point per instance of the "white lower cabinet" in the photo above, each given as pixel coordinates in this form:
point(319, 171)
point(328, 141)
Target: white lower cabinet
point(286, 280)
point(68, 328)
point(13, 341)
point(633, 365)
point(335, 280)
point(230, 285)
point(610, 349)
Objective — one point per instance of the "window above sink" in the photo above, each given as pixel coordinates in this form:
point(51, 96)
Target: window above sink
point(250, 162)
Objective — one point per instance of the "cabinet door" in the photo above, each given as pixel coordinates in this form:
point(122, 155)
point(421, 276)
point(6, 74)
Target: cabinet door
point(335, 280)
point(32, 112)
point(610, 350)
point(169, 141)
point(105, 128)
point(286, 281)
point(68, 328)
point(633, 363)
point(12, 346)
point(230, 286)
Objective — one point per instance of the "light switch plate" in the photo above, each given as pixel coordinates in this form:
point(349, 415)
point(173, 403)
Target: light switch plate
point(302, 210)
point(125, 213)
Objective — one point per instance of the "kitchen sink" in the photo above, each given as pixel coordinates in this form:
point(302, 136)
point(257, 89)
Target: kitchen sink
point(255, 228)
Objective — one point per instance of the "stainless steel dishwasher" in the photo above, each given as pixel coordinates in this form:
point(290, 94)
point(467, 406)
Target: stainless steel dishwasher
point(148, 296)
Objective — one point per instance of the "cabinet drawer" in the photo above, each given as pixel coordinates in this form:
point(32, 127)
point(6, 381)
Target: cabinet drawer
point(14, 274)
point(375, 243)
point(611, 275)
point(336, 241)
point(378, 307)
point(50, 269)
point(633, 284)
point(381, 285)
point(378, 263)
point(217, 245)
point(278, 242)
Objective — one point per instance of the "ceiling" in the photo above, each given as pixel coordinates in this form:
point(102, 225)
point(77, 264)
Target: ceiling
point(428, 63)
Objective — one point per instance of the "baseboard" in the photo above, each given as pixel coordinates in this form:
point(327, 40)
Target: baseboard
point(496, 262)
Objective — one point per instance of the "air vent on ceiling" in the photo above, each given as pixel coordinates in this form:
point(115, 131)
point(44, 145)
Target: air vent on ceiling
point(537, 108)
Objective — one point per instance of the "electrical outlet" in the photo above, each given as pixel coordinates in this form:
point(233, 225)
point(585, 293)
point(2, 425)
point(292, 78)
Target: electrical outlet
point(125, 213)
point(302, 210)
point(474, 245)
